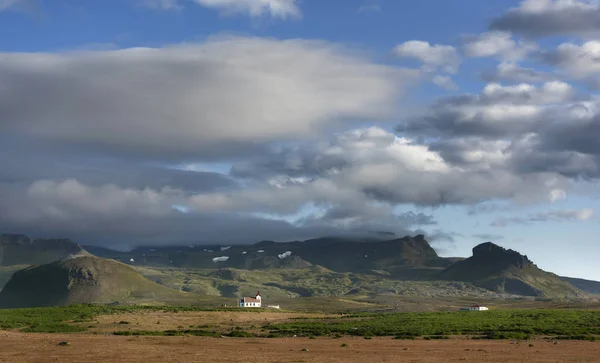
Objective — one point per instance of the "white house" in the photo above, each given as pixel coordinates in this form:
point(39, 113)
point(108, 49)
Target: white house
point(475, 308)
point(251, 302)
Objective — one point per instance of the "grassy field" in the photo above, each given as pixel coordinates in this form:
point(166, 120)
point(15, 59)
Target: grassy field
point(501, 324)
point(498, 324)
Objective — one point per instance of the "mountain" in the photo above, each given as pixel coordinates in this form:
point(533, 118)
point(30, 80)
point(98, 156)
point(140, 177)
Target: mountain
point(377, 264)
point(507, 271)
point(338, 254)
point(21, 250)
point(589, 286)
point(79, 279)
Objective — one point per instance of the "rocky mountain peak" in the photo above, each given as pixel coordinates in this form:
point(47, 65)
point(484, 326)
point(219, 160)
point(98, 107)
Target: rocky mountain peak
point(500, 255)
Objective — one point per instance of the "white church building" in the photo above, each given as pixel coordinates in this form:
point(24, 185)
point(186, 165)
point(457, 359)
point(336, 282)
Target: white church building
point(475, 308)
point(251, 302)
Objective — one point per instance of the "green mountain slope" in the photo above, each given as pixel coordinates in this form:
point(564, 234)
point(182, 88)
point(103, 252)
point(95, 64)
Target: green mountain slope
point(589, 286)
point(507, 271)
point(81, 279)
point(316, 281)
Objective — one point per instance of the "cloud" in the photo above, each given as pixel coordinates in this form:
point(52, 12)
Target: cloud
point(161, 4)
point(488, 237)
point(7, 4)
point(498, 45)
point(370, 8)
point(375, 165)
point(539, 18)
point(434, 56)
point(552, 216)
point(579, 61)
point(522, 129)
point(445, 82)
point(192, 100)
point(108, 214)
point(512, 72)
point(499, 111)
point(283, 9)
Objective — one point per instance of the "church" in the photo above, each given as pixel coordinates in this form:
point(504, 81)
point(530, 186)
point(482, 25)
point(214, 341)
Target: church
point(251, 302)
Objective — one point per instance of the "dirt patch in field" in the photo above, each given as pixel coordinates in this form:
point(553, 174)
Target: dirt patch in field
point(217, 320)
point(20, 347)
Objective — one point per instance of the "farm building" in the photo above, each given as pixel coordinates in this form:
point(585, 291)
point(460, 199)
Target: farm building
point(475, 308)
point(251, 302)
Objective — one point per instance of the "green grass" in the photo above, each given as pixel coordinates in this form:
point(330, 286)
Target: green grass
point(497, 324)
point(60, 319)
point(503, 324)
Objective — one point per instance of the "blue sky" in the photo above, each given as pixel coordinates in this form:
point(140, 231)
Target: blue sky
point(170, 121)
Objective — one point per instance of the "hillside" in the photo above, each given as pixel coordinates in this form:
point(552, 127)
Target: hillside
point(337, 254)
point(80, 279)
point(589, 286)
point(507, 271)
point(21, 250)
point(276, 284)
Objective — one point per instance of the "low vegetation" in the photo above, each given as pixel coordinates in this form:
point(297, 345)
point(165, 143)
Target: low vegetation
point(68, 319)
point(500, 324)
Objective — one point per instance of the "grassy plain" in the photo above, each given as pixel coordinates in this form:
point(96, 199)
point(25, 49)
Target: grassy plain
point(578, 324)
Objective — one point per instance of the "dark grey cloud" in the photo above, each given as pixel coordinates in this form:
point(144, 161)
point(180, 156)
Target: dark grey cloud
point(540, 18)
point(114, 146)
point(191, 101)
point(114, 216)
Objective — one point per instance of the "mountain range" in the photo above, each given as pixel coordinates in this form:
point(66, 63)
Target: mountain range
point(60, 271)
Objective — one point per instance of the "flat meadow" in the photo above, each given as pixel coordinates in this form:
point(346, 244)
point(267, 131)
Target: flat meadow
point(565, 324)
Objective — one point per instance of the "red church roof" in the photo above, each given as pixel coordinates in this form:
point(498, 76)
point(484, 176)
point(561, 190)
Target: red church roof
point(250, 299)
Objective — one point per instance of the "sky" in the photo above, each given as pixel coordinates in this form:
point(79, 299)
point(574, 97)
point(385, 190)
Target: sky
point(148, 122)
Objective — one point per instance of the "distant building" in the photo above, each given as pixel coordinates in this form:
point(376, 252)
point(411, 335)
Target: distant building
point(251, 302)
point(273, 306)
point(475, 308)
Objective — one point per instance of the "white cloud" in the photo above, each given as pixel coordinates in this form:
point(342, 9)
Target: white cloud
point(161, 4)
point(549, 92)
point(434, 57)
point(557, 194)
point(372, 164)
point(551, 216)
point(194, 98)
point(499, 45)
point(372, 8)
point(579, 61)
point(445, 82)
point(282, 9)
point(510, 71)
point(499, 111)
